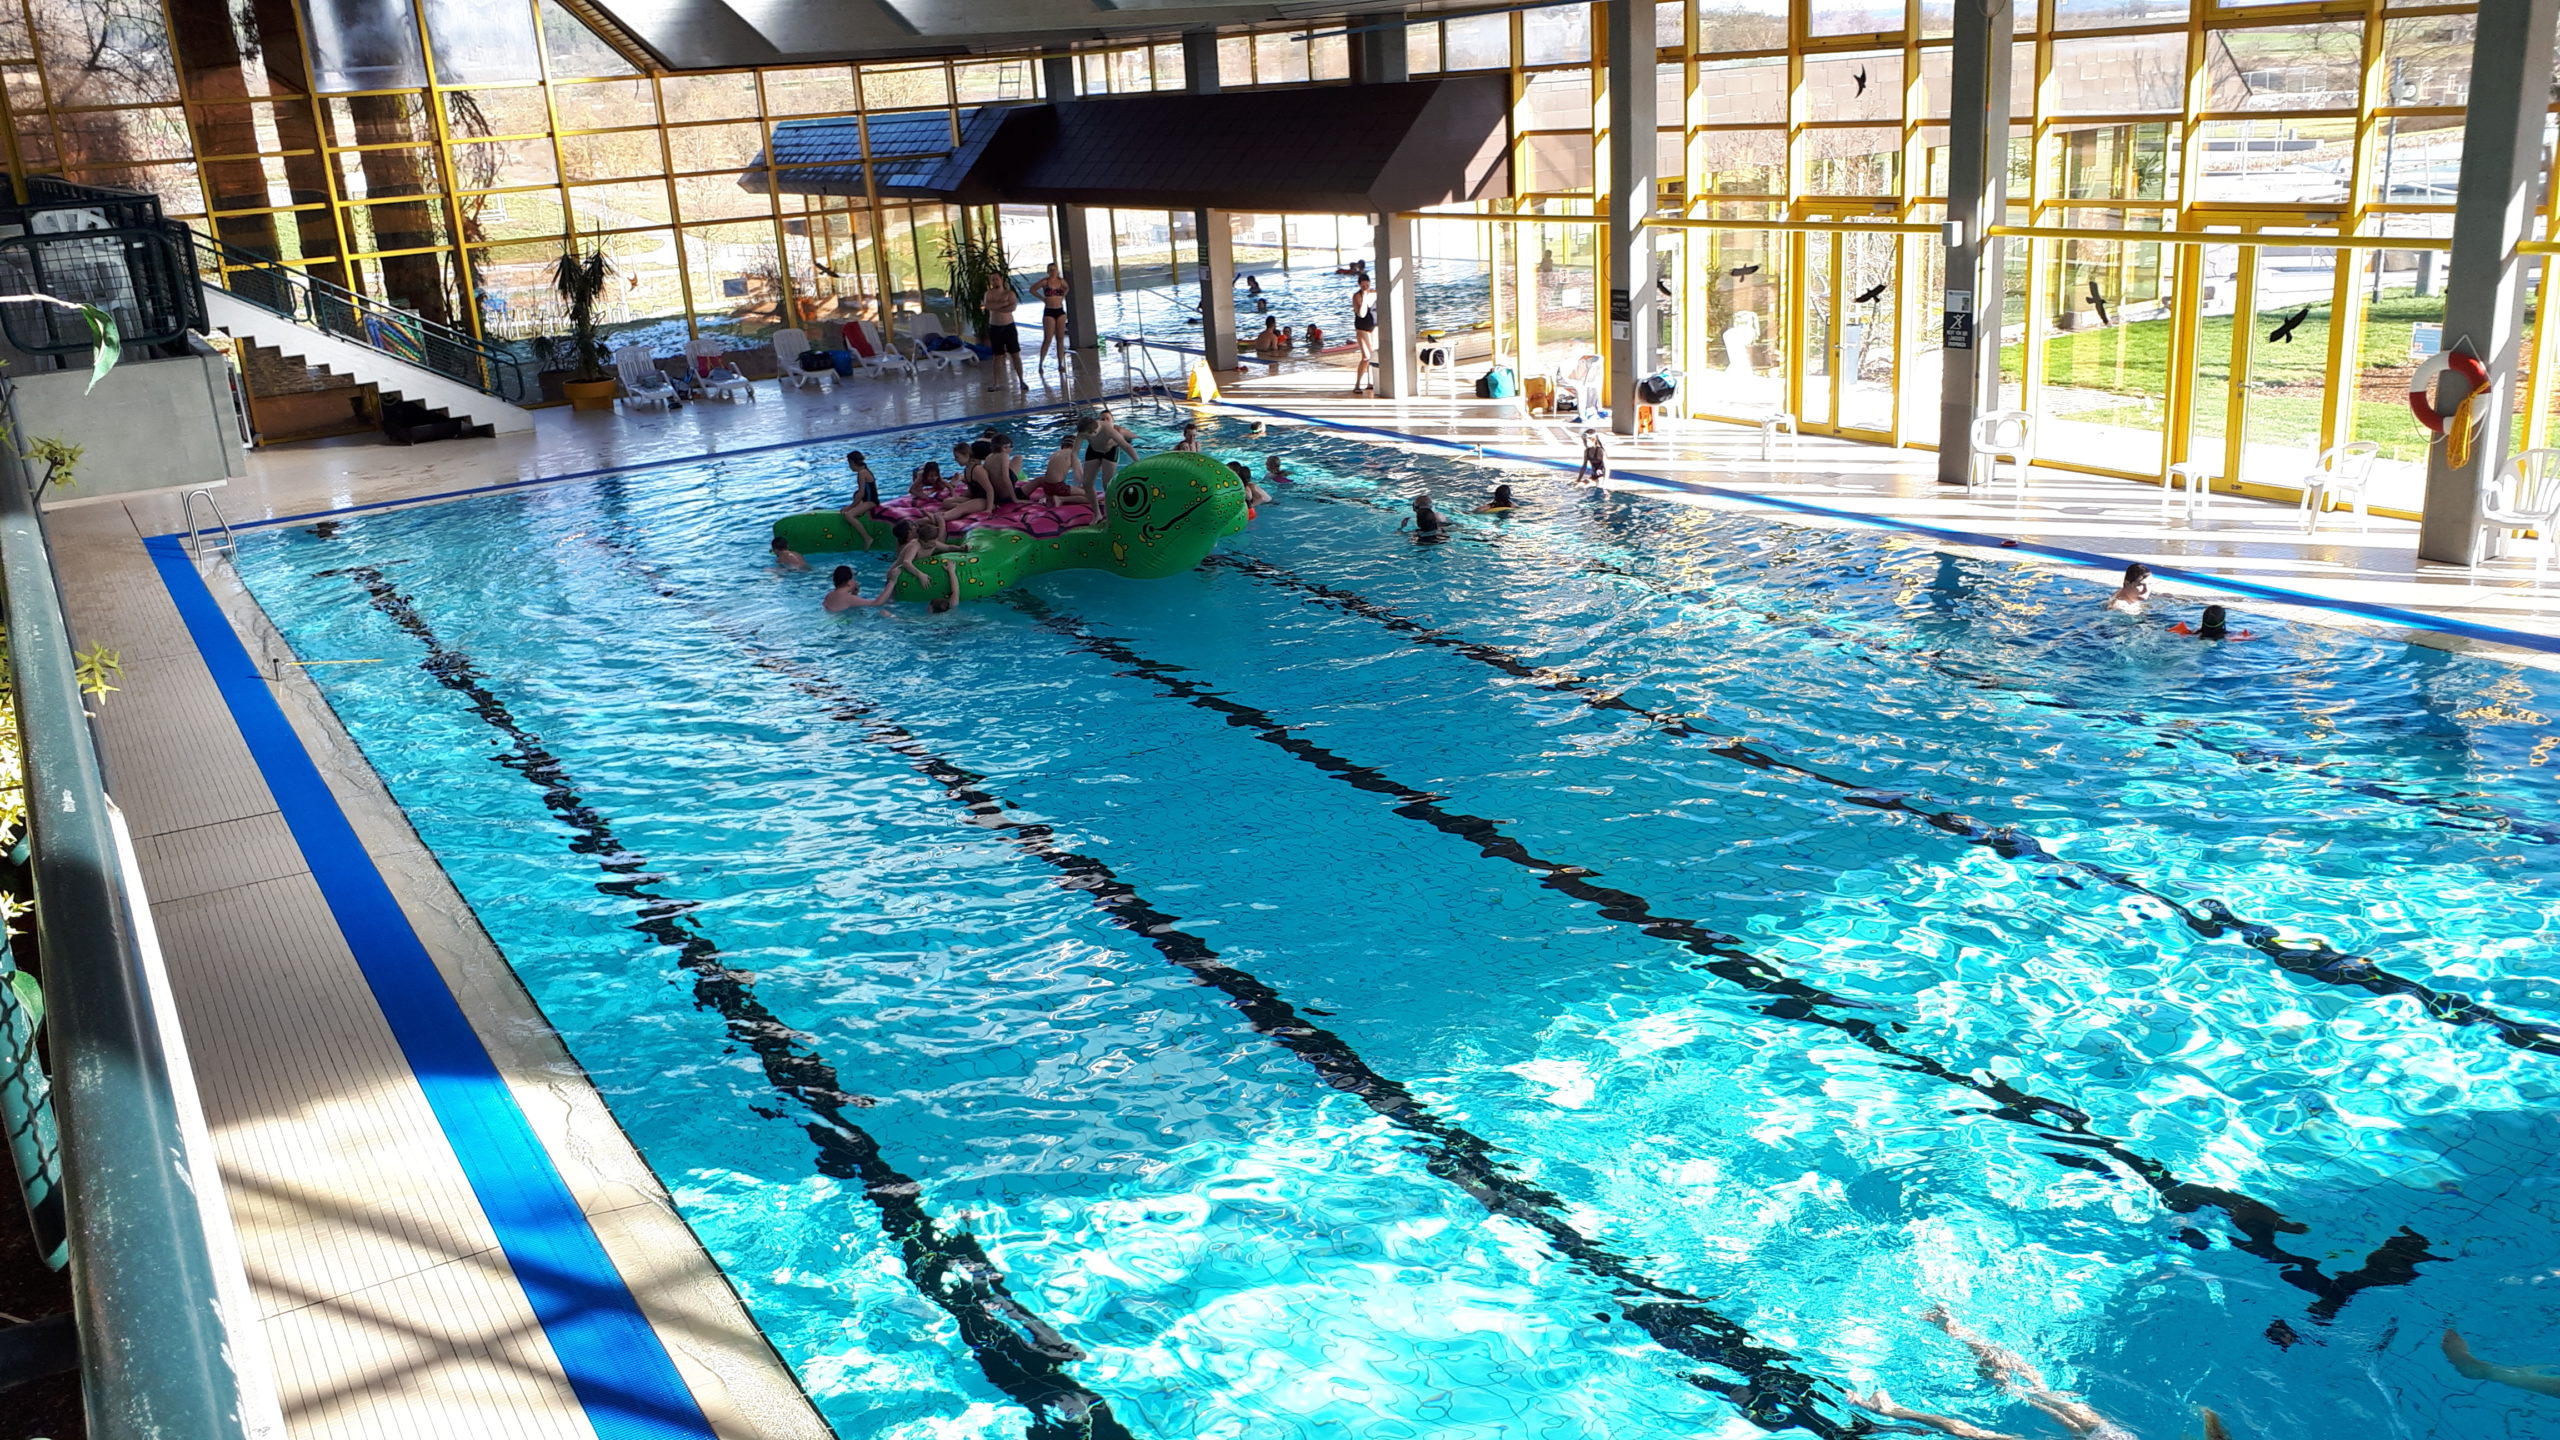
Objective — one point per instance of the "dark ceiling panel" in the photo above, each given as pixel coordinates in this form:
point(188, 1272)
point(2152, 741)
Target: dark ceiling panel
point(1334, 150)
point(721, 34)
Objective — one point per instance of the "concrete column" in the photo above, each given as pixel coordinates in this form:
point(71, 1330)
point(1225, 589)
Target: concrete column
point(1217, 242)
point(1634, 308)
point(1200, 61)
point(1217, 287)
point(1393, 271)
point(2493, 207)
point(1977, 195)
point(1075, 256)
point(1378, 49)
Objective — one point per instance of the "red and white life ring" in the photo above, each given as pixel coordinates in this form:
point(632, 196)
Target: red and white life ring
point(2422, 387)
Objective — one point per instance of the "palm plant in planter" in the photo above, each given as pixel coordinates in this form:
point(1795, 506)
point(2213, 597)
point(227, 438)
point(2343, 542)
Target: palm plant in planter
point(579, 280)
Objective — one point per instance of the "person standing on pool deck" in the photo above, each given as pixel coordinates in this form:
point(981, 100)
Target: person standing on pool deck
point(1364, 330)
point(1002, 337)
point(2136, 588)
point(1052, 291)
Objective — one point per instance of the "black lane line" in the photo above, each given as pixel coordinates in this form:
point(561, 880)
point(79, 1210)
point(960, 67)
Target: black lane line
point(2316, 960)
point(1774, 1394)
point(2258, 1224)
point(2480, 817)
point(1020, 1353)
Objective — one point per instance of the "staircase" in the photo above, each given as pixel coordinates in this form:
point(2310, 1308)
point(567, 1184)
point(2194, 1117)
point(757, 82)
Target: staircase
point(413, 361)
point(398, 378)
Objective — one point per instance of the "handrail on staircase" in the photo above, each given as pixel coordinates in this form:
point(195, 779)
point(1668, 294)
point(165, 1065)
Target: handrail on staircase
point(306, 299)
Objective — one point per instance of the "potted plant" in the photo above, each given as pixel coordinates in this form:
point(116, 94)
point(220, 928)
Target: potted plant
point(579, 280)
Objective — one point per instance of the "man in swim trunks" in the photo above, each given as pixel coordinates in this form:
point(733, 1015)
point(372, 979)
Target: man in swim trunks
point(1058, 480)
point(1052, 291)
point(1002, 338)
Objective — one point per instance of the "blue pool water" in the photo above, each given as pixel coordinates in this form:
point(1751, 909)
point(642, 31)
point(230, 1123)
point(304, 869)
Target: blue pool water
point(1608, 973)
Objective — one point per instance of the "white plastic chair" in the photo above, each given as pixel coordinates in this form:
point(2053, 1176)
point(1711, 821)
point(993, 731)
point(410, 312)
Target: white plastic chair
point(2525, 496)
point(1586, 380)
point(2341, 474)
point(884, 356)
point(2000, 435)
point(643, 383)
point(788, 347)
point(923, 328)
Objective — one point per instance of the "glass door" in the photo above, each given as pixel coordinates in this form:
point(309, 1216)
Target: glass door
point(1847, 338)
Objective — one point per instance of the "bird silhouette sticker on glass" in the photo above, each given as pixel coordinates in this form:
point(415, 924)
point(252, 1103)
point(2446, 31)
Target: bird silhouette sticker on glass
point(1861, 78)
point(2283, 334)
point(2098, 302)
point(1738, 271)
point(1872, 296)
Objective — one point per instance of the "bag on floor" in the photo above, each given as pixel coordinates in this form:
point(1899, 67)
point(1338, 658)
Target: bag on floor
point(1656, 387)
point(1497, 383)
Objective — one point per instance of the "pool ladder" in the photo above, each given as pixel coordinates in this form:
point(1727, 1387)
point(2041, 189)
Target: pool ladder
point(1138, 373)
point(200, 542)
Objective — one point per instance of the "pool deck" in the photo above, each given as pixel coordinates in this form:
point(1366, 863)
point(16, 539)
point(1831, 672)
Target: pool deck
point(389, 1309)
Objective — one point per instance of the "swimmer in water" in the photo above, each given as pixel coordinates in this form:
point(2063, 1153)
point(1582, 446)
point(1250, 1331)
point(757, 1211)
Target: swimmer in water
point(1253, 494)
point(2136, 588)
point(1595, 460)
point(786, 558)
point(1424, 522)
point(1500, 504)
point(848, 596)
point(1189, 444)
point(2537, 1378)
point(1272, 474)
point(2011, 1372)
point(2216, 625)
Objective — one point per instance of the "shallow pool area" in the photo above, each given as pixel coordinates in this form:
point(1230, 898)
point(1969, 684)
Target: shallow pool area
point(1609, 972)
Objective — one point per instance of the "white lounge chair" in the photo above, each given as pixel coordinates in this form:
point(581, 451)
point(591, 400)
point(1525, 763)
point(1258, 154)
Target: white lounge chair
point(2525, 496)
point(643, 383)
point(714, 374)
point(923, 328)
point(884, 356)
point(2341, 475)
point(2001, 435)
point(788, 348)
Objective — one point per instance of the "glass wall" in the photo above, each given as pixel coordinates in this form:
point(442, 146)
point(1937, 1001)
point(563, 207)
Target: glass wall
point(438, 153)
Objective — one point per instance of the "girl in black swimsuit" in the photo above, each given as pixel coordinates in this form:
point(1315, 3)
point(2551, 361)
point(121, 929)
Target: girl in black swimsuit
point(1052, 294)
point(1364, 329)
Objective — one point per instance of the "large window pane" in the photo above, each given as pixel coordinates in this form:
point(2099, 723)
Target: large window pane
point(605, 106)
point(2095, 14)
point(2427, 60)
point(2120, 75)
point(1745, 320)
point(2104, 396)
point(362, 45)
point(905, 87)
point(1744, 92)
point(1279, 59)
point(398, 225)
point(812, 92)
point(518, 110)
point(2417, 159)
point(714, 147)
point(1745, 162)
point(718, 197)
point(1854, 17)
point(1736, 25)
point(618, 155)
point(2275, 161)
point(1865, 86)
point(480, 42)
point(709, 97)
point(503, 165)
point(1560, 162)
point(2402, 294)
point(737, 281)
point(512, 215)
point(647, 306)
point(1557, 100)
point(2286, 67)
point(576, 53)
point(1476, 42)
point(619, 207)
point(1556, 35)
point(1860, 161)
point(2288, 340)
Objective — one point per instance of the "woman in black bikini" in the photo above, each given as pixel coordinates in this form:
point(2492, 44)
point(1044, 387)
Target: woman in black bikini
point(1051, 292)
point(1364, 330)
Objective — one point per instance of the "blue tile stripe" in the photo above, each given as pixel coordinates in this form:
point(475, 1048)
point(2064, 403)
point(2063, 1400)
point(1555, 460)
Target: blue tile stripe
point(2390, 614)
point(614, 1360)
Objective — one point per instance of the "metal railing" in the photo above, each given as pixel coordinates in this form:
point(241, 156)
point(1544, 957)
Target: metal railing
point(307, 299)
point(135, 1182)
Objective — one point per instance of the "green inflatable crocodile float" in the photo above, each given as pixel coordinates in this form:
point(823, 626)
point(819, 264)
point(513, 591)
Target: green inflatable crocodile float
point(1165, 513)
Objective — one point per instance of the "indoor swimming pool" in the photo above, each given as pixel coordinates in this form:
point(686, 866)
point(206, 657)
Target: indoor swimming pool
point(1622, 970)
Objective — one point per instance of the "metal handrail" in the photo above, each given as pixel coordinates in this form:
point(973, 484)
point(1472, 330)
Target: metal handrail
point(229, 544)
point(306, 299)
point(144, 1288)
